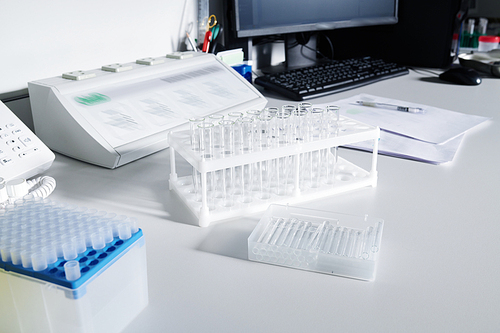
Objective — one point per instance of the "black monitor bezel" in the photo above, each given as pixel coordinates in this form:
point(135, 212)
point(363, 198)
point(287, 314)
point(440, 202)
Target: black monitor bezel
point(319, 26)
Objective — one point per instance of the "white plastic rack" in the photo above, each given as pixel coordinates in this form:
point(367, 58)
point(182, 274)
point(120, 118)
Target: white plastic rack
point(243, 169)
point(318, 241)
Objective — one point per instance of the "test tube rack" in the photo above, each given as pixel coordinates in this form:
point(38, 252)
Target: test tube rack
point(65, 268)
point(318, 241)
point(203, 198)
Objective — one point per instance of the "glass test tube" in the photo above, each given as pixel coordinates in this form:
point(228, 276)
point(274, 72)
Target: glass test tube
point(235, 116)
point(316, 237)
point(254, 114)
point(316, 123)
point(304, 109)
point(218, 183)
point(206, 149)
point(264, 176)
point(328, 238)
point(227, 136)
point(271, 111)
point(294, 226)
point(335, 240)
point(299, 124)
point(377, 237)
point(330, 162)
point(194, 132)
point(296, 242)
point(277, 231)
point(282, 171)
point(206, 139)
point(342, 242)
point(349, 249)
point(287, 227)
point(216, 119)
point(368, 242)
point(275, 222)
point(246, 183)
point(316, 163)
point(237, 179)
point(332, 117)
point(358, 240)
point(266, 231)
point(264, 130)
point(196, 184)
point(246, 133)
point(282, 127)
point(227, 187)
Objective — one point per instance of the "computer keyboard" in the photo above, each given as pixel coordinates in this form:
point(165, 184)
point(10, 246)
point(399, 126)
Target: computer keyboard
point(329, 78)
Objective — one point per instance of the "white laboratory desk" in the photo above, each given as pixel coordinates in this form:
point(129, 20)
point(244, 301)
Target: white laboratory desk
point(439, 265)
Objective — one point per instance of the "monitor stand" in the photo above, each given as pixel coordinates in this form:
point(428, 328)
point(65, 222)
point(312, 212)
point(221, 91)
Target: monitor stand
point(300, 51)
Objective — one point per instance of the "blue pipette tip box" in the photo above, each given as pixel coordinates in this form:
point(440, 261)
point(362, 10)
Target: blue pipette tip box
point(318, 241)
point(110, 288)
point(244, 70)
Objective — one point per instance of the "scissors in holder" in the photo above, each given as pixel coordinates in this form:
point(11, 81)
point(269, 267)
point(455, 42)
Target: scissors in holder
point(212, 22)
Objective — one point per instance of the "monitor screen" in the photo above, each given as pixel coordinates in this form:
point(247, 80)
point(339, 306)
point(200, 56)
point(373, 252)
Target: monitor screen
point(267, 17)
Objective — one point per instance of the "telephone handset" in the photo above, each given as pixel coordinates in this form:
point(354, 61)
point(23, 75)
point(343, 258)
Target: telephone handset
point(22, 155)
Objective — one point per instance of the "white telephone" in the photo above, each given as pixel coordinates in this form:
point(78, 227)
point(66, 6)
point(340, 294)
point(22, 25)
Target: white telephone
point(22, 155)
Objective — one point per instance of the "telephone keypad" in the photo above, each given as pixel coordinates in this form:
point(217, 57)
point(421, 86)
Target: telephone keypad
point(14, 143)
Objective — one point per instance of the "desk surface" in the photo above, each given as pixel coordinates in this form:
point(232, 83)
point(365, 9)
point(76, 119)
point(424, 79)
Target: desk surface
point(438, 269)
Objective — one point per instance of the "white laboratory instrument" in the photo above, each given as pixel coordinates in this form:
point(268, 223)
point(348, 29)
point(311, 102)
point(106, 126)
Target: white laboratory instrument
point(122, 112)
point(22, 154)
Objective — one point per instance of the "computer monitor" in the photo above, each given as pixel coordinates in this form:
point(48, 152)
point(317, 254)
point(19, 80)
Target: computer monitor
point(298, 18)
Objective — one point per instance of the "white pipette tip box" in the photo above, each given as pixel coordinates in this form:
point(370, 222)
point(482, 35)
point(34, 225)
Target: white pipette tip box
point(69, 269)
point(317, 241)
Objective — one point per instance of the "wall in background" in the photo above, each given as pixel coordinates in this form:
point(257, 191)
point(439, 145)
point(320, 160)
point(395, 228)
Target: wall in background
point(41, 39)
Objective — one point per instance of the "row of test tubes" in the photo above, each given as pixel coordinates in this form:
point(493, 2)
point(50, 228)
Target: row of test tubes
point(282, 234)
point(269, 128)
point(36, 233)
point(264, 179)
point(235, 133)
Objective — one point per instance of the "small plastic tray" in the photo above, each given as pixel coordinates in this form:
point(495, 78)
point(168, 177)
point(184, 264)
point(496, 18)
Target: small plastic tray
point(318, 241)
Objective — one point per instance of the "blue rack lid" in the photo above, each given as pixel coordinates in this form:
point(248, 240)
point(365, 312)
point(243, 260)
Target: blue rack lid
point(92, 263)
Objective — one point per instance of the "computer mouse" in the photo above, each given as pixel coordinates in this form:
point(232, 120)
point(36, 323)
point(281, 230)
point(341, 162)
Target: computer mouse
point(461, 75)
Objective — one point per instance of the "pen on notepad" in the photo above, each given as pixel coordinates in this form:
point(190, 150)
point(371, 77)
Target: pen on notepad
point(392, 107)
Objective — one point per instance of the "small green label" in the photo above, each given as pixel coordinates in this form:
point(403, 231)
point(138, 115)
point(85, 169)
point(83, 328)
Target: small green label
point(92, 99)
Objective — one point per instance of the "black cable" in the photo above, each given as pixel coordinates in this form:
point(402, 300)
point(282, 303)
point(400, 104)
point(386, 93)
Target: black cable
point(317, 52)
point(329, 42)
